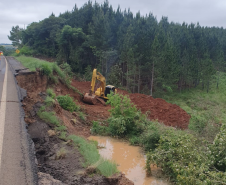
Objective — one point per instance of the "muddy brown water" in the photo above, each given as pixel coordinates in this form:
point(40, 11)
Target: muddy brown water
point(130, 160)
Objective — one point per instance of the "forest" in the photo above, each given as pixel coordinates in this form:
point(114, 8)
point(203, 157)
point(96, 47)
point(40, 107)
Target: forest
point(136, 52)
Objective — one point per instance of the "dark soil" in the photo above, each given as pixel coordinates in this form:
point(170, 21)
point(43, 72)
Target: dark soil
point(67, 169)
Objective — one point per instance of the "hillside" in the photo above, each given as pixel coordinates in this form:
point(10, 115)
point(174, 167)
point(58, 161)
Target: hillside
point(161, 143)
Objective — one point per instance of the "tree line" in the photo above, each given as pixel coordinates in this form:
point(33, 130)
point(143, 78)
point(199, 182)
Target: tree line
point(137, 52)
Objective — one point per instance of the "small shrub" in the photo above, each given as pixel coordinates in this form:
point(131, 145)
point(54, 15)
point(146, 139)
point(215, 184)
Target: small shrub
point(51, 93)
point(82, 116)
point(49, 101)
point(67, 103)
point(46, 70)
point(197, 123)
point(42, 108)
point(61, 128)
point(49, 117)
point(134, 140)
point(218, 149)
point(25, 50)
point(151, 136)
point(99, 129)
point(63, 135)
point(61, 154)
point(66, 68)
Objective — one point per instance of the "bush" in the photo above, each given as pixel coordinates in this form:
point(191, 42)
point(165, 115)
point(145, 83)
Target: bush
point(51, 93)
point(218, 149)
point(63, 135)
point(125, 118)
point(49, 101)
point(25, 50)
point(186, 159)
point(151, 136)
point(46, 70)
point(82, 116)
point(197, 123)
point(61, 128)
point(67, 69)
point(67, 103)
point(99, 129)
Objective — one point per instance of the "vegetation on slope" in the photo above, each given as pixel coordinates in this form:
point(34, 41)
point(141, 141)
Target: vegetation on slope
point(48, 69)
point(193, 156)
point(87, 149)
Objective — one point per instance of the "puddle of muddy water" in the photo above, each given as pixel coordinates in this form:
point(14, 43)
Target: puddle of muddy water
point(129, 159)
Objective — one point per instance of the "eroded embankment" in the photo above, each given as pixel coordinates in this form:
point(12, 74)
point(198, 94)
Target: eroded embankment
point(50, 149)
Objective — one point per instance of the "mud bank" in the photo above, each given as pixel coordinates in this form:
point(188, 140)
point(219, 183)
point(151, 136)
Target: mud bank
point(130, 160)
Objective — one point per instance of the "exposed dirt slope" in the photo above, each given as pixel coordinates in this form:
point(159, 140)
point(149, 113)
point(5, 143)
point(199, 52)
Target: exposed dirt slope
point(69, 169)
point(159, 109)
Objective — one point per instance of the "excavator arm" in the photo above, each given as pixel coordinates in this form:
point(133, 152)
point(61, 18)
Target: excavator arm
point(102, 80)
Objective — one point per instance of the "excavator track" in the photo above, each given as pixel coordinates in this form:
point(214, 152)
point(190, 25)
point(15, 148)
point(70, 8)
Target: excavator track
point(101, 101)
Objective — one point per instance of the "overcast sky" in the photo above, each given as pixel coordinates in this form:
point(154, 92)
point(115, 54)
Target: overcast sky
point(23, 12)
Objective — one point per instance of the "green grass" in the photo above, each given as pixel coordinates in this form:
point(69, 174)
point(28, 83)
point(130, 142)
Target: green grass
point(67, 103)
point(82, 116)
point(49, 117)
point(51, 93)
point(49, 101)
point(33, 63)
point(92, 156)
point(207, 110)
point(61, 128)
point(48, 69)
point(63, 135)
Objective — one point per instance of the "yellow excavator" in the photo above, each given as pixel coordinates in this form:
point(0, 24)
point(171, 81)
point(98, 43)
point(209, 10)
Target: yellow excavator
point(101, 93)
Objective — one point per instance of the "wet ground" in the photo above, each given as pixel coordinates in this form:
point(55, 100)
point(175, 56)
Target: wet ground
point(130, 160)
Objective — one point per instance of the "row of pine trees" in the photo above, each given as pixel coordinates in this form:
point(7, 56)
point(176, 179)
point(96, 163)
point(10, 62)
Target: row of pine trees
point(133, 51)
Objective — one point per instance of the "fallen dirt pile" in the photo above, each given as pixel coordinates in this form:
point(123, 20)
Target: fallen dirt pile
point(167, 113)
point(159, 109)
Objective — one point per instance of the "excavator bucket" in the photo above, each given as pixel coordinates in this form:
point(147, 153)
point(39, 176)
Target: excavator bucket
point(90, 98)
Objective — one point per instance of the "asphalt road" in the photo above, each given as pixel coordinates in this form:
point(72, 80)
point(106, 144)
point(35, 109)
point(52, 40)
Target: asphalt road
point(15, 166)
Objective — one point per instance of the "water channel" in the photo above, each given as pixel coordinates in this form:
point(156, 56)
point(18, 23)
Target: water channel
point(130, 160)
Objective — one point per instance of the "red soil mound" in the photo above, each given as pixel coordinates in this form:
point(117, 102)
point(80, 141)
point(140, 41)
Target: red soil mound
point(159, 109)
point(167, 113)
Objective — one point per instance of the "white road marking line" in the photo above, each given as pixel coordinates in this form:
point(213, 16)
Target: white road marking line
point(3, 111)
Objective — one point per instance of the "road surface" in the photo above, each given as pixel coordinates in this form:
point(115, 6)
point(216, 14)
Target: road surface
point(15, 164)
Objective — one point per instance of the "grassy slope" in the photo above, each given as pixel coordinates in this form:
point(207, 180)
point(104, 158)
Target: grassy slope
point(33, 63)
point(207, 110)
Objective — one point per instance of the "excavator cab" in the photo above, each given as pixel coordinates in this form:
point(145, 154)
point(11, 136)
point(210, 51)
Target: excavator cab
point(109, 89)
